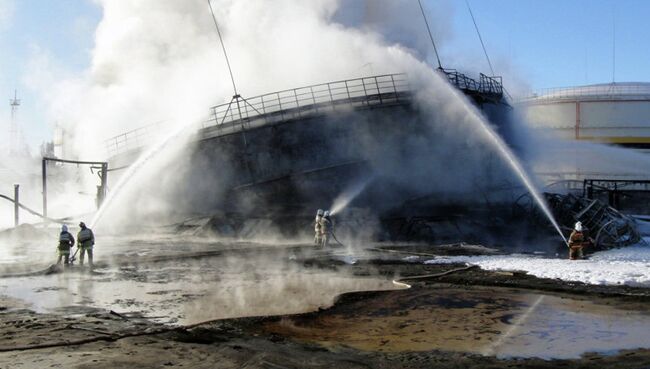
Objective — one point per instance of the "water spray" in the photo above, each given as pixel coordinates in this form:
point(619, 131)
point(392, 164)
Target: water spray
point(133, 170)
point(345, 198)
point(510, 158)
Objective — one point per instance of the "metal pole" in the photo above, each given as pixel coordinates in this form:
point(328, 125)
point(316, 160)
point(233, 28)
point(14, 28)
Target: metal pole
point(426, 22)
point(104, 184)
point(295, 96)
point(479, 37)
point(16, 206)
point(236, 97)
point(223, 47)
point(365, 93)
point(44, 167)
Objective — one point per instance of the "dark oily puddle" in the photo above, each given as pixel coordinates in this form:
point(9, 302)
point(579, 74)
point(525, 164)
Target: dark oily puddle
point(190, 292)
point(495, 322)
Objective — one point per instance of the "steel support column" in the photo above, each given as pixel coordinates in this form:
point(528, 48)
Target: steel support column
point(16, 206)
point(103, 189)
point(44, 174)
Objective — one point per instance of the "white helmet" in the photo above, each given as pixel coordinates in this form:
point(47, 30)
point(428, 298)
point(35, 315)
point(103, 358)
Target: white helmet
point(327, 213)
point(64, 228)
point(319, 212)
point(578, 226)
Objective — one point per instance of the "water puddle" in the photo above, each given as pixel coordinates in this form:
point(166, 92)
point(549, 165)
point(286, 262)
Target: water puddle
point(503, 323)
point(187, 292)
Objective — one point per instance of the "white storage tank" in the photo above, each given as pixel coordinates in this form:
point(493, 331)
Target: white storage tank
point(616, 113)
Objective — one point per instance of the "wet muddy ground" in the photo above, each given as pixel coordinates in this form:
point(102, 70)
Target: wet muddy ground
point(300, 307)
point(507, 323)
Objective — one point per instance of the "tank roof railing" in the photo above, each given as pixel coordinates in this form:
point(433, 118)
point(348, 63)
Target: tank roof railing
point(133, 139)
point(594, 92)
point(300, 102)
point(282, 105)
point(486, 85)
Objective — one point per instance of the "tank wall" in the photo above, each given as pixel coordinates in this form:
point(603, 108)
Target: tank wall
point(559, 118)
point(307, 163)
point(615, 119)
point(302, 163)
point(625, 122)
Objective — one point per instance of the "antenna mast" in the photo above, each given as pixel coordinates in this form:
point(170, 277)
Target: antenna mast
point(435, 49)
point(479, 37)
point(14, 103)
point(223, 47)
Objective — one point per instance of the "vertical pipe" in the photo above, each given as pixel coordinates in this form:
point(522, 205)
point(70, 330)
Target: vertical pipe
point(16, 207)
point(104, 184)
point(44, 174)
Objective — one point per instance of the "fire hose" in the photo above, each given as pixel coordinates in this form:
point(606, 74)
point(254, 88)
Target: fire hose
point(74, 256)
point(337, 240)
point(34, 212)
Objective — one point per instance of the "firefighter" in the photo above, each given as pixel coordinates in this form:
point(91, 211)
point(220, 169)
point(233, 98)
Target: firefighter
point(317, 237)
point(86, 241)
point(66, 241)
point(326, 228)
point(577, 241)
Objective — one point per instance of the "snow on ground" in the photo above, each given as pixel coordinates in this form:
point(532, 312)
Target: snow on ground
point(629, 266)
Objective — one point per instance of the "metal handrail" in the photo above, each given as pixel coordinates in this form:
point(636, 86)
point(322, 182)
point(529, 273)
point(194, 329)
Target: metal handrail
point(298, 102)
point(485, 85)
point(605, 91)
point(280, 105)
point(132, 139)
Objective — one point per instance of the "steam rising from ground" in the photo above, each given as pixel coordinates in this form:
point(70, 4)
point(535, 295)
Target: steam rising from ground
point(243, 280)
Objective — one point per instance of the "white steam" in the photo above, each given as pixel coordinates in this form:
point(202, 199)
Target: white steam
point(159, 60)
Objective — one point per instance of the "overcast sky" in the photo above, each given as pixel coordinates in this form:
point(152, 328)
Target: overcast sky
point(533, 43)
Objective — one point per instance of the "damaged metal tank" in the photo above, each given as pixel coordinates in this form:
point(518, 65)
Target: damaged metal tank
point(293, 151)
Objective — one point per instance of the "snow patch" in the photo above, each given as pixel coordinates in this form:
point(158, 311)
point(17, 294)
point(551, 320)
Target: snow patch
point(628, 266)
